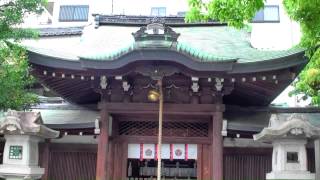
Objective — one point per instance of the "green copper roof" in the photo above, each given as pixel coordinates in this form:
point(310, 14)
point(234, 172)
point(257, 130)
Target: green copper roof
point(205, 44)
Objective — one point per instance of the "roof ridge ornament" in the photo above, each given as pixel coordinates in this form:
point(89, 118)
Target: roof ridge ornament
point(138, 20)
point(159, 32)
point(157, 20)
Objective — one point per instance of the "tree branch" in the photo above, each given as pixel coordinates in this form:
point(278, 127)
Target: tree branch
point(6, 5)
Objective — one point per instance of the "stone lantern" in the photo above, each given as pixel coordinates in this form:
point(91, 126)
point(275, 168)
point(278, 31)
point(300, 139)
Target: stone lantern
point(23, 131)
point(289, 137)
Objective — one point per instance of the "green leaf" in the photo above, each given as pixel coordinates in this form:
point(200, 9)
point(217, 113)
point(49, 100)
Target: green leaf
point(15, 79)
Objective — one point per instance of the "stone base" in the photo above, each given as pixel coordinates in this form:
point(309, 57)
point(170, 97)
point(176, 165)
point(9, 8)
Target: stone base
point(291, 175)
point(19, 172)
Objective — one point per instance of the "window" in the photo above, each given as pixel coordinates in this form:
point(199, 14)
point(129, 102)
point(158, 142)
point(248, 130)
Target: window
point(292, 157)
point(158, 11)
point(267, 14)
point(15, 152)
point(74, 13)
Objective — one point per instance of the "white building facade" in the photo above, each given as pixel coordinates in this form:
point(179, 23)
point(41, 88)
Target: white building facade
point(271, 28)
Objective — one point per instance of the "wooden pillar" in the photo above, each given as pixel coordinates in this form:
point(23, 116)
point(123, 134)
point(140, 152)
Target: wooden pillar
point(199, 162)
point(45, 159)
point(217, 146)
point(317, 157)
point(120, 162)
point(124, 160)
point(204, 165)
point(103, 143)
point(110, 160)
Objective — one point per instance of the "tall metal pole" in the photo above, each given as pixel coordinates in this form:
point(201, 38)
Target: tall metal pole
point(160, 129)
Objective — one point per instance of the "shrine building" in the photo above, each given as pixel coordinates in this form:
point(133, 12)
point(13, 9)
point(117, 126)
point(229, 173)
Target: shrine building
point(216, 87)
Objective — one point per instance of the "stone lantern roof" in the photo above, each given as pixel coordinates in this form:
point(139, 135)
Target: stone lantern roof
point(294, 126)
point(28, 123)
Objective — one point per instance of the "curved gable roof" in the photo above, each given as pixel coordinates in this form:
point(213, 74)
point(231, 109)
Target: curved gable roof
point(213, 48)
point(204, 44)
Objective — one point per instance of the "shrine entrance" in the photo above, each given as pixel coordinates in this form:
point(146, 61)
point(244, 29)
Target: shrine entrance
point(178, 161)
point(184, 151)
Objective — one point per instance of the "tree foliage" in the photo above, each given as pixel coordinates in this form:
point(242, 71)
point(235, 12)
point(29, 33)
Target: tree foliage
point(14, 77)
point(238, 13)
point(307, 13)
